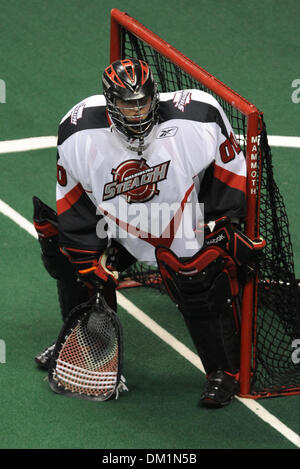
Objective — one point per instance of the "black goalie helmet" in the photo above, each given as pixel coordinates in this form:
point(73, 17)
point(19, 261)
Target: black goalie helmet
point(131, 97)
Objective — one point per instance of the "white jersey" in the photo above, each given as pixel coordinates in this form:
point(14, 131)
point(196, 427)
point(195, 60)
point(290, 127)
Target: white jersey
point(149, 196)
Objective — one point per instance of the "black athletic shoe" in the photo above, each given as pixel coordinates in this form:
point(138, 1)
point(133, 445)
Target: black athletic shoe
point(44, 358)
point(219, 390)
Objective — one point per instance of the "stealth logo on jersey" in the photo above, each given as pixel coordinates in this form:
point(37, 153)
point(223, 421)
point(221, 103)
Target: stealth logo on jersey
point(135, 180)
point(77, 113)
point(181, 99)
point(169, 132)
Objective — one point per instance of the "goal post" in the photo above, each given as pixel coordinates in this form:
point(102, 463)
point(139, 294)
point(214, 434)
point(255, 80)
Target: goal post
point(172, 70)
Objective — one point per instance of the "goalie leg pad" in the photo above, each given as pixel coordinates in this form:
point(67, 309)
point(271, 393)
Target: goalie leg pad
point(45, 223)
point(205, 289)
point(71, 292)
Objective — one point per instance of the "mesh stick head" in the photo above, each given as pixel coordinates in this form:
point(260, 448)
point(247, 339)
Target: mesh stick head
point(87, 357)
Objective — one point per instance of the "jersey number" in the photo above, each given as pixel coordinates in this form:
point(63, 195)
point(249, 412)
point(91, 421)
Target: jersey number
point(229, 148)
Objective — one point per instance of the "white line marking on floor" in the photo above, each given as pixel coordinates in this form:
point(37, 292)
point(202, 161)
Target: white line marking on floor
point(27, 144)
point(38, 143)
point(17, 218)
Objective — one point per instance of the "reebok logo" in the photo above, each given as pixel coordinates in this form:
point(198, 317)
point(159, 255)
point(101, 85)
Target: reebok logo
point(216, 240)
point(169, 132)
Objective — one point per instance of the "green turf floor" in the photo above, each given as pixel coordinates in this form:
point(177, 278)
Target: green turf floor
point(52, 55)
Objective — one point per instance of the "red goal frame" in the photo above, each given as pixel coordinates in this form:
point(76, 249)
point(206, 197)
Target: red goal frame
point(121, 20)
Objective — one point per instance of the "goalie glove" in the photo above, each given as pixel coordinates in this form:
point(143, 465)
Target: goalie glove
point(244, 251)
point(93, 270)
point(45, 223)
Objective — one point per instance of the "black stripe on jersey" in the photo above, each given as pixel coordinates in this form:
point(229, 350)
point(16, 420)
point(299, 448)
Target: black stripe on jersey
point(77, 226)
point(92, 118)
point(219, 199)
point(196, 110)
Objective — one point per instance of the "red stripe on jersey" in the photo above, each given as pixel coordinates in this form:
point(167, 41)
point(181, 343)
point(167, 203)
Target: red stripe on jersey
point(80, 250)
point(230, 179)
point(71, 197)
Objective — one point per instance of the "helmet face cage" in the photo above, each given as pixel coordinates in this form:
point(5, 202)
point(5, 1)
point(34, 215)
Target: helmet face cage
point(130, 80)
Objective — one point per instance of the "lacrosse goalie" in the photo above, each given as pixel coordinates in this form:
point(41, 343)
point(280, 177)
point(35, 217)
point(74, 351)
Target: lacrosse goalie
point(135, 148)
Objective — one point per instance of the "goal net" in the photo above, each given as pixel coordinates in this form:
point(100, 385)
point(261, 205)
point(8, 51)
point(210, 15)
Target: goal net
point(270, 326)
